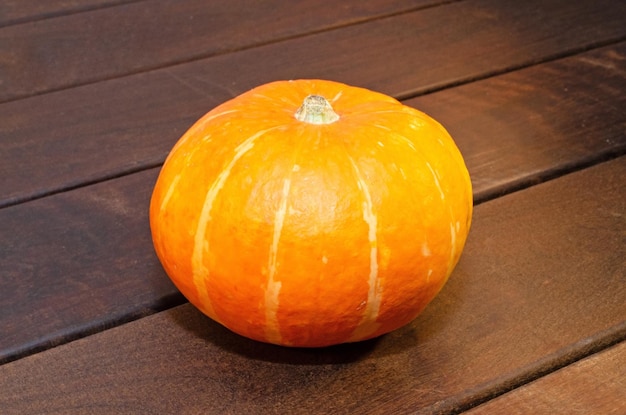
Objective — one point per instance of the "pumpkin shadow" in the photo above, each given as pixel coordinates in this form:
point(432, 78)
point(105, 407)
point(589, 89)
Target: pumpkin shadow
point(216, 335)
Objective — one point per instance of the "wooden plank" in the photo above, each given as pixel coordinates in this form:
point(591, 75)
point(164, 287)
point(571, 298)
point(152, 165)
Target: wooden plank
point(78, 262)
point(542, 118)
point(20, 11)
point(106, 43)
point(519, 303)
point(499, 148)
point(595, 385)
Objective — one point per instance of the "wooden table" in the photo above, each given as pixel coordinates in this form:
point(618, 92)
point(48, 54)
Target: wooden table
point(94, 93)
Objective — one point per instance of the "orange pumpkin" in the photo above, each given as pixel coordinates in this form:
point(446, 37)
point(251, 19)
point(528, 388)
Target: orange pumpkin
point(310, 213)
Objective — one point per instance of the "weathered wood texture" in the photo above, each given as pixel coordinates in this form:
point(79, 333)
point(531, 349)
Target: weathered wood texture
point(62, 140)
point(595, 385)
point(513, 309)
point(512, 129)
point(106, 43)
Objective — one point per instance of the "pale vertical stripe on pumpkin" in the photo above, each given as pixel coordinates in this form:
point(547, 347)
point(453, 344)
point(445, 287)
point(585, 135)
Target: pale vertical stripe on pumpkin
point(336, 97)
point(201, 245)
point(368, 324)
point(452, 239)
point(169, 193)
point(452, 247)
point(436, 178)
point(272, 331)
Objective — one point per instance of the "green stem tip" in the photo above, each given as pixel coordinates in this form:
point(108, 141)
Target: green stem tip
point(316, 110)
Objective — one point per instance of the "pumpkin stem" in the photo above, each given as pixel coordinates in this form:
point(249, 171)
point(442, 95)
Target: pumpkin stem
point(316, 110)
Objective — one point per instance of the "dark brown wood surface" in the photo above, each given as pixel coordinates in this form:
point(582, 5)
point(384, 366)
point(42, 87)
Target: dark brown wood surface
point(595, 385)
point(78, 262)
point(515, 308)
point(489, 119)
point(94, 94)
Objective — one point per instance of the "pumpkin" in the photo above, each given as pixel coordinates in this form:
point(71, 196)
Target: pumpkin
point(311, 213)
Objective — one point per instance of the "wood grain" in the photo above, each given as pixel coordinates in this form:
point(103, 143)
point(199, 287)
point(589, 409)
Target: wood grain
point(595, 385)
point(77, 263)
point(514, 307)
point(515, 128)
point(70, 50)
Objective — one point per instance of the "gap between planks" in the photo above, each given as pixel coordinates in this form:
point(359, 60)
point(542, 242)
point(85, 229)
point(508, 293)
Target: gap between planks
point(60, 338)
point(549, 364)
point(402, 96)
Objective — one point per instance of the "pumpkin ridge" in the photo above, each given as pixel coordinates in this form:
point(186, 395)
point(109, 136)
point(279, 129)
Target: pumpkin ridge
point(452, 244)
point(199, 270)
point(168, 194)
point(273, 328)
point(273, 287)
point(367, 326)
point(442, 195)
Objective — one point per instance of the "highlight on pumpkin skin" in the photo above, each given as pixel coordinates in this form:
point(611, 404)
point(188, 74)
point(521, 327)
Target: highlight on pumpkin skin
point(310, 213)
